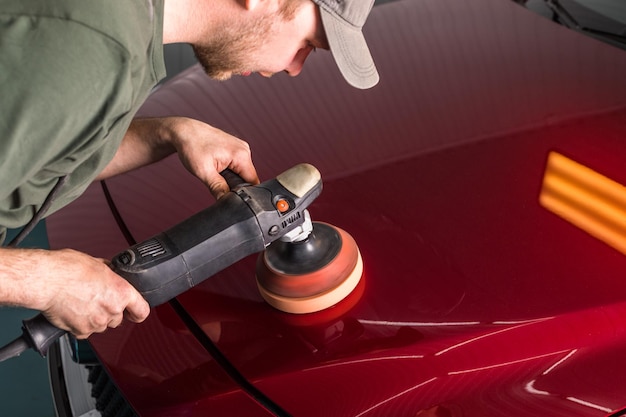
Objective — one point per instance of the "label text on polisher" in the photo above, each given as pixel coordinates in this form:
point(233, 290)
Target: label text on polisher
point(292, 219)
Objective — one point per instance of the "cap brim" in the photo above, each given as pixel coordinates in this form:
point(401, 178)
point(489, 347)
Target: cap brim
point(350, 52)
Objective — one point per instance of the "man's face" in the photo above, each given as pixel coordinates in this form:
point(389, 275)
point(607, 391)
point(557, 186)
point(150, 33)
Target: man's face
point(267, 42)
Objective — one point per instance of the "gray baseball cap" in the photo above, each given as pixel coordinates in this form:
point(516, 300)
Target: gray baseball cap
point(343, 21)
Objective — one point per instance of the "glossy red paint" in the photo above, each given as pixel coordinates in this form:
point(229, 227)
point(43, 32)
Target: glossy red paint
point(475, 300)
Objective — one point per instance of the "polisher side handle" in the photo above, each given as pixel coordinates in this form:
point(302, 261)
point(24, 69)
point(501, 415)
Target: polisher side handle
point(232, 179)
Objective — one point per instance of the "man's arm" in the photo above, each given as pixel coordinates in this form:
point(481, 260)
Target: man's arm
point(204, 150)
point(75, 291)
point(81, 294)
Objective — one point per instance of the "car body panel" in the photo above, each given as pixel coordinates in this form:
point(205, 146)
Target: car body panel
point(475, 300)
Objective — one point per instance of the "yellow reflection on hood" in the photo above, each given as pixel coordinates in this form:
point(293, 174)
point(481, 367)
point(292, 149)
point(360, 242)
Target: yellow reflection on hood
point(585, 198)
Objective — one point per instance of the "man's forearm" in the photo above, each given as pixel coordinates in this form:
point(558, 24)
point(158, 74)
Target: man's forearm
point(75, 291)
point(19, 270)
point(145, 142)
point(203, 149)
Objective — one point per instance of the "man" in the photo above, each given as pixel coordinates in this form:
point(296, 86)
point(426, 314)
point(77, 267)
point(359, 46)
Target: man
point(74, 73)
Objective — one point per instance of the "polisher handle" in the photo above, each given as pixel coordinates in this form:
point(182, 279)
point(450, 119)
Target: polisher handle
point(178, 259)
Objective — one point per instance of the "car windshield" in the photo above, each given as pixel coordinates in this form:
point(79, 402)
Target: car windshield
point(612, 9)
point(602, 19)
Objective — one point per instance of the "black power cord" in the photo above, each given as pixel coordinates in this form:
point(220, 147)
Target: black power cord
point(40, 213)
point(13, 349)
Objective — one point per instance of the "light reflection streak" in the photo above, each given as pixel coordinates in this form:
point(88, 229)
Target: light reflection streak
point(447, 323)
point(484, 336)
point(530, 388)
point(499, 365)
point(503, 322)
point(344, 363)
point(396, 396)
point(590, 405)
point(417, 323)
point(559, 362)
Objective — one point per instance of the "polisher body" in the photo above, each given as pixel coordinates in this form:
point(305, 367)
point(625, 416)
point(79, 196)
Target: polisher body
point(241, 223)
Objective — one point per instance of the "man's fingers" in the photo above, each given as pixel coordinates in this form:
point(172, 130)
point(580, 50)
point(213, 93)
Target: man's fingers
point(247, 172)
point(218, 186)
point(137, 309)
point(116, 321)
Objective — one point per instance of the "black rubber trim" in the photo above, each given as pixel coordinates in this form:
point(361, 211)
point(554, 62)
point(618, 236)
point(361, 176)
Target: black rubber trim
point(57, 382)
point(210, 347)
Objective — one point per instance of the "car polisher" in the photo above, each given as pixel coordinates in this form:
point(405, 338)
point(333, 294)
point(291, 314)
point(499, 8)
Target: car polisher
point(307, 266)
point(309, 269)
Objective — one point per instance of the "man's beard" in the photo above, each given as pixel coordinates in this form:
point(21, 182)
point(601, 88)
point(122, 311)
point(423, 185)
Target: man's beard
point(229, 52)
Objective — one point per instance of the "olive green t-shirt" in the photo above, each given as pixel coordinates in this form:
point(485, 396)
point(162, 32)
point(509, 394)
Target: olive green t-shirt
point(72, 73)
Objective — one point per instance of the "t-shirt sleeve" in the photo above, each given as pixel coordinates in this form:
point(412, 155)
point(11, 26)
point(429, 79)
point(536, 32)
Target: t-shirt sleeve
point(65, 87)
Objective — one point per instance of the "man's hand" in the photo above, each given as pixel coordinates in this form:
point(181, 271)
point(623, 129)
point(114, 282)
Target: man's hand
point(204, 150)
point(75, 291)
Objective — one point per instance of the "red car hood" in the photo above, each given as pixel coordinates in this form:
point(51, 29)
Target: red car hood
point(475, 299)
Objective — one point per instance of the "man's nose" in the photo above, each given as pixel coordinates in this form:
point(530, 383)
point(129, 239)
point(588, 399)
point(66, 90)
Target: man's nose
point(295, 67)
